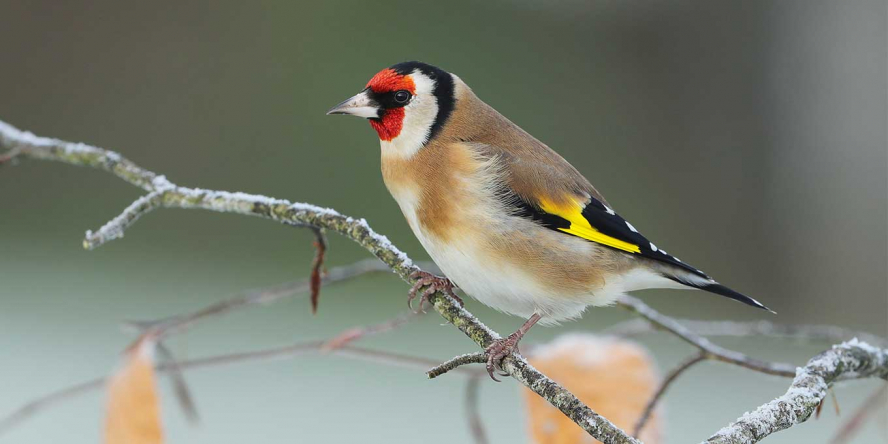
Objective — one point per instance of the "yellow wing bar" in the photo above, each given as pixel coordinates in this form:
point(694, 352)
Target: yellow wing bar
point(580, 227)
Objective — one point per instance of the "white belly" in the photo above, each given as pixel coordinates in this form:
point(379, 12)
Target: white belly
point(493, 281)
point(502, 286)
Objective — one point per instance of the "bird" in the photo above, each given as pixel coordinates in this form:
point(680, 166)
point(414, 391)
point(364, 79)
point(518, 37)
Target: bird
point(507, 220)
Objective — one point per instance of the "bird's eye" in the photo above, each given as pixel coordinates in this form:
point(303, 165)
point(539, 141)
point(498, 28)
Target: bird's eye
point(402, 96)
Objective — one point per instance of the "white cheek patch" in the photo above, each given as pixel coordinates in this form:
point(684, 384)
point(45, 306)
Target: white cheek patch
point(419, 115)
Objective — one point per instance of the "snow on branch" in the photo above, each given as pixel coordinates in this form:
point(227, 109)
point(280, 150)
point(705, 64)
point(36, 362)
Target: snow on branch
point(849, 360)
point(165, 194)
point(804, 332)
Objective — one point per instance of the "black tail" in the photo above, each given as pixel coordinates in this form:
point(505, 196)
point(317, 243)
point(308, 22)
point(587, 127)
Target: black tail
point(707, 284)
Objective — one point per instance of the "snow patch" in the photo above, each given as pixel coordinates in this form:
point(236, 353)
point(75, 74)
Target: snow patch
point(10, 132)
point(854, 342)
point(160, 183)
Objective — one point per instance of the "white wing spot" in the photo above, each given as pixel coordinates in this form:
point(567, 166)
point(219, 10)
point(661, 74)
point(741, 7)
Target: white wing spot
point(632, 228)
point(610, 211)
point(653, 247)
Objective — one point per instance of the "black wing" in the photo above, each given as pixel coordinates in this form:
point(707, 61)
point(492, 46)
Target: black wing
point(598, 223)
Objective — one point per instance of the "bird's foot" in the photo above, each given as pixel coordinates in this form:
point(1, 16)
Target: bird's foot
point(498, 351)
point(429, 284)
point(501, 348)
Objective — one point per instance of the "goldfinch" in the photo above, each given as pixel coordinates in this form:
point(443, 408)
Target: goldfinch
point(505, 217)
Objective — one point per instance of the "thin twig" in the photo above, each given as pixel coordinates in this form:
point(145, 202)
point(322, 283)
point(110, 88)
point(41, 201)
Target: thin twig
point(711, 350)
point(708, 350)
point(804, 332)
point(456, 362)
point(115, 227)
point(365, 354)
point(352, 334)
point(835, 402)
point(263, 296)
point(317, 264)
point(33, 407)
point(661, 390)
point(300, 214)
point(180, 387)
point(869, 409)
point(177, 324)
point(473, 414)
point(849, 360)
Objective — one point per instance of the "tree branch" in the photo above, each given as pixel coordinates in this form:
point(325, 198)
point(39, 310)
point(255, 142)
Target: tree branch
point(359, 332)
point(804, 332)
point(115, 227)
point(365, 354)
point(849, 360)
point(25, 144)
point(868, 409)
point(653, 320)
point(163, 328)
point(473, 416)
point(710, 350)
point(317, 265)
point(456, 362)
point(667, 381)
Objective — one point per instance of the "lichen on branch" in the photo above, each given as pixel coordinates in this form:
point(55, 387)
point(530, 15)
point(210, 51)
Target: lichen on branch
point(164, 194)
point(849, 360)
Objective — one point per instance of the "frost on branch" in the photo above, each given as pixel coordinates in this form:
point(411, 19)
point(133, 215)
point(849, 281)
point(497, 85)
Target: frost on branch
point(846, 361)
point(849, 360)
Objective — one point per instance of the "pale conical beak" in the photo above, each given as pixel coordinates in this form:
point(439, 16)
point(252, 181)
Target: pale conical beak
point(360, 105)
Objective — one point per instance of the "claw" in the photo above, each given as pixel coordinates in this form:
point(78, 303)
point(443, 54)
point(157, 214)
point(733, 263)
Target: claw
point(425, 296)
point(497, 351)
point(500, 348)
point(432, 284)
point(411, 295)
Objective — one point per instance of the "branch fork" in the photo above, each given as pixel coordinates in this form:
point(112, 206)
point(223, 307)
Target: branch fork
point(849, 360)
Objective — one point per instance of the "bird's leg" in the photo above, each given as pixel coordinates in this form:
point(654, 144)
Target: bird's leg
point(432, 284)
point(505, 347)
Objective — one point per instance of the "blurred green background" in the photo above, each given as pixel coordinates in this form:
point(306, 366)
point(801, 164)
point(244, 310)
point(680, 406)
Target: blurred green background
point(746, 137)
